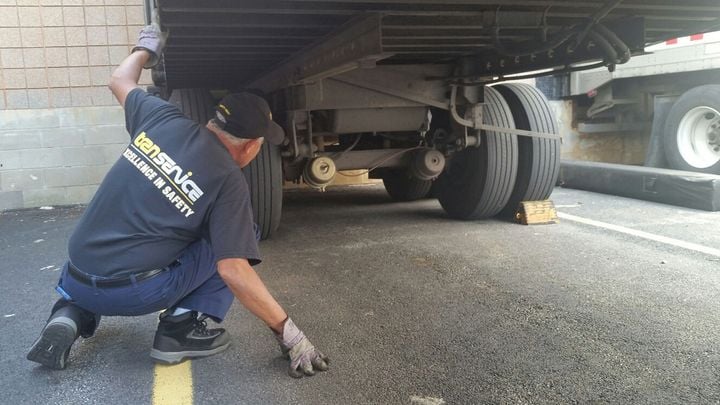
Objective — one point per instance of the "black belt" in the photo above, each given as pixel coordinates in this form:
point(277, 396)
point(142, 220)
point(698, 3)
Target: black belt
point(111, 281)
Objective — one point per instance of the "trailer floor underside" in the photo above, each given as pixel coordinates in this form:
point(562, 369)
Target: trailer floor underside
point(228, 43)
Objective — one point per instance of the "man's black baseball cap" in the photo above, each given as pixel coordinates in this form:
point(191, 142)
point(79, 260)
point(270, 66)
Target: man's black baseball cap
point(248, 116)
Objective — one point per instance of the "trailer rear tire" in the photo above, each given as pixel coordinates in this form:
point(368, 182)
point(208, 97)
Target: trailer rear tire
point(265, 179)
point(197, 104)
point(263, 174)
point(403, 187)
point(539, 158)
point(692, 131)
point(478, 181)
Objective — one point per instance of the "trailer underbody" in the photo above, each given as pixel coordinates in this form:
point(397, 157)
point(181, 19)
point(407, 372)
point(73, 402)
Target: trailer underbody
point(403, 88)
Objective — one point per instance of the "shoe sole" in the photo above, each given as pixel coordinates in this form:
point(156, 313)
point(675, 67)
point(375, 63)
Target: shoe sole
point(52, 347)
point(177, 357)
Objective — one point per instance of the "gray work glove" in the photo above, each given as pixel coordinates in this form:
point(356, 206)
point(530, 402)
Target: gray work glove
point(152, 40)
point(305, 359)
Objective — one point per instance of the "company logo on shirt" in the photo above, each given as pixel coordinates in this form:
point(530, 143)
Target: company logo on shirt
point(165, 174)
point(174, 172)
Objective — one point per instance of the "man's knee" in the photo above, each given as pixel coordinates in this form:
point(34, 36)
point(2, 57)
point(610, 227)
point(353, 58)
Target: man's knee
point(86, 321)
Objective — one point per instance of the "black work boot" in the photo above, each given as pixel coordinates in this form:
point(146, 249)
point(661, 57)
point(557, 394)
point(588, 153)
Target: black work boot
point(65, 324)
point(184, 336)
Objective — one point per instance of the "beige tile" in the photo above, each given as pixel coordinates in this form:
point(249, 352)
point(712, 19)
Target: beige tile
point(99, 75)
point(52, 16)
point(115, 15)
point(76, 36)
point(135, 15)
point(16, 98)
point(95, 15)
point(96, 35)
point(58, 77)
point(10, 37)
point(38, 98)
point(101, 95)
point(2, 99)
point(11, 58)
point(145, 77)
point(54, 36)
point(72, 2)
point(31, 37)
point(81, 96)
point(133, 32)
point(8, 17)
point(36, 78)
point(56, 57)
point(34, 57)
point(117, 54)
point(98, 55)
point(77, 56)
point(27, 2)
point(60, 97)
point(93, 2)
point(50, 2)
point(14, 78)
point(115, 2)
point(117, 35)
point(79, 76)
point(73, 16)
point(29, 16)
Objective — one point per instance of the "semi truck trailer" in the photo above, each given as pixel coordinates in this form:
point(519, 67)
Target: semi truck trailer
point(417, 93)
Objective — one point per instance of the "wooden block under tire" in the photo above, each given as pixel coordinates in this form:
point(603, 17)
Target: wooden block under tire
point(536, 213)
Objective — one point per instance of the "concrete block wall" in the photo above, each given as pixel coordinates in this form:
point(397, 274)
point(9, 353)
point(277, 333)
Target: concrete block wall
point(57, 156)
point(60, 127)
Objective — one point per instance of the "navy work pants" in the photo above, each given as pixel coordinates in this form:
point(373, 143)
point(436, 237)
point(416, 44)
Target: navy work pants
point(191, 282)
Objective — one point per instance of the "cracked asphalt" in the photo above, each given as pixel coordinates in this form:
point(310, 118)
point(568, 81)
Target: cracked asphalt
point(413, 307)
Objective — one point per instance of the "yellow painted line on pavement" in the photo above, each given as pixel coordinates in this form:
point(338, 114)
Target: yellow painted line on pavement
point(645, 235)
point(173, 384)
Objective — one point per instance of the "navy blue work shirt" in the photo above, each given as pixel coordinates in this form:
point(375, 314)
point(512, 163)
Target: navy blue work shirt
point(174, 184)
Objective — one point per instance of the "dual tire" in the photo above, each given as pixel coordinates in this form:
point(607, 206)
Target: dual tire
point(478, 181)
point(492, 179)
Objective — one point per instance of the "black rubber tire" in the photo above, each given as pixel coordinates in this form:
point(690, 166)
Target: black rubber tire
point(197, 104)
point(478, 181)
point(539, 158)
point(708, 95)
point(263, 174)
point(403, 187)
point(265, 179)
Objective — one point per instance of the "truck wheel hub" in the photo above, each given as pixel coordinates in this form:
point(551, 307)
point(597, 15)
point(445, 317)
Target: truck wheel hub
point(698, 137)
point(319, 172)
point(428, 164)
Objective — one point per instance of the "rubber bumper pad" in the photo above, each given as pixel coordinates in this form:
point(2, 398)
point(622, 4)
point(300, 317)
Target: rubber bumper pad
point(686, 189)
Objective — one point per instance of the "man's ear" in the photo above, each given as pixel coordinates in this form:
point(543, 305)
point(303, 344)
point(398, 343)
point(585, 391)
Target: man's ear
point(253, 146)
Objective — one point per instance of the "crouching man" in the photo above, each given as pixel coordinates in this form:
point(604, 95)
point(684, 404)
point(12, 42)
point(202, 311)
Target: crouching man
point(171, 227)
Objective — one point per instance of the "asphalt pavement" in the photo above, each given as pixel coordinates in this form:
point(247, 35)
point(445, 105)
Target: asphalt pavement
point(414, 308)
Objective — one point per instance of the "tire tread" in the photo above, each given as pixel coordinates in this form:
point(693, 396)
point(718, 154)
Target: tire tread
point(539, 165)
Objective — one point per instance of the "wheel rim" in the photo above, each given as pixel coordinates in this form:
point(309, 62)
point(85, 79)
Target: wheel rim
point(698, 137)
